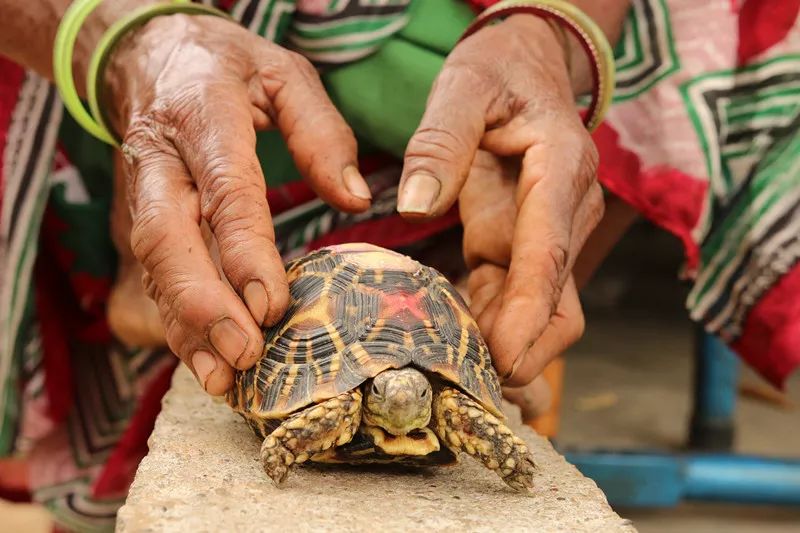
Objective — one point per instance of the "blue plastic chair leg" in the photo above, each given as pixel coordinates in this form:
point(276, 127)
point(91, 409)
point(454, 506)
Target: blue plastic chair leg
point(715, 388)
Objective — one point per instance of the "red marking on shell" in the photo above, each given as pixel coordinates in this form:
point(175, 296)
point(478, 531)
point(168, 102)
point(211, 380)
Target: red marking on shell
point(401, 305)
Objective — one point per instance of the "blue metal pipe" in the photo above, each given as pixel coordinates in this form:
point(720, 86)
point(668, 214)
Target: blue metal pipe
point(736, 478)
point(633, 479)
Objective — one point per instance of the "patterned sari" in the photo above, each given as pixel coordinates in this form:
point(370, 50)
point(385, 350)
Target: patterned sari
point(702, 139)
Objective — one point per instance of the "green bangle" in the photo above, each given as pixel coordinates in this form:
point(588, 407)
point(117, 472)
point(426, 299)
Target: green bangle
point(115, 33)
point(64, 46)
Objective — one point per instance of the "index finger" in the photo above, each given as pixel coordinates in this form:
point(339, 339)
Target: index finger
point(218, 147)
point(198, 310)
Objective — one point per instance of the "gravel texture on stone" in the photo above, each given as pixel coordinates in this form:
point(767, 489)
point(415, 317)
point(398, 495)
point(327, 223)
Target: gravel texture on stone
point(203, 475)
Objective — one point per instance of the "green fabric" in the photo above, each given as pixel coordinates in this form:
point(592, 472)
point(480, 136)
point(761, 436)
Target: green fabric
point(276, 161)
point(437, 25)
point(383, 96)
point(82, 231)
point(89, 155)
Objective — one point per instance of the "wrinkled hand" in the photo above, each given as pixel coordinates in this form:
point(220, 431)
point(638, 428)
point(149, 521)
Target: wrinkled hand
point(188, 93)
point(501, 130)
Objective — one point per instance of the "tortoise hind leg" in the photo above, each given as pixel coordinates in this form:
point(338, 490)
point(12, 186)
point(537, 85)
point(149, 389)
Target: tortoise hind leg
point(311, 431)
point(464, 425)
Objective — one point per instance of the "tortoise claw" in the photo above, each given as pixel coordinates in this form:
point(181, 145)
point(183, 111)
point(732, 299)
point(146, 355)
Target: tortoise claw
point(276, 460)
point(311, 431)
point(466, 426)
point(521, 478)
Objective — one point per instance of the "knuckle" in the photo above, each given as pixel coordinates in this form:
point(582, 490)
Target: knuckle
point(144, 148)
point(167, 114)
point(177, 107)
point(229, 200)
point(475, 76)
point(433, 144)
point(300, 63)
point(558, 257)
point(148, 233)
point(547, 275)
point(184, 303)
point(279, 63)
point(150, 287)
point(175, 334)
point(180, 295)
point(142, 141)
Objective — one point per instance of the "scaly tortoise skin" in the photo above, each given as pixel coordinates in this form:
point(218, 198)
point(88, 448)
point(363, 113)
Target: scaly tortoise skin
point(376, 360)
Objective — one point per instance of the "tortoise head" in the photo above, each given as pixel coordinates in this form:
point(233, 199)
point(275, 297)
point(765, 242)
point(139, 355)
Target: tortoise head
point(399, 401)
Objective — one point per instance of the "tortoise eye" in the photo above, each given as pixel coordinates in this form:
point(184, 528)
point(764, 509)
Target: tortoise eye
point(424, 393)
point(375, 390)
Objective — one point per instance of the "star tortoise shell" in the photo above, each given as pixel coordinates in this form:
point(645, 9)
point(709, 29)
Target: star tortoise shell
point(356, 310)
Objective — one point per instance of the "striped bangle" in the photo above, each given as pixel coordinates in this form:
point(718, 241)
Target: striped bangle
point(588, 34)
point(64, 45)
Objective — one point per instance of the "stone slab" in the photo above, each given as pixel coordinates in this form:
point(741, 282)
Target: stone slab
point(203, 475)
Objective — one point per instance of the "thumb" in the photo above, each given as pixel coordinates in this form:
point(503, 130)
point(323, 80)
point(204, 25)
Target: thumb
point(440, 153)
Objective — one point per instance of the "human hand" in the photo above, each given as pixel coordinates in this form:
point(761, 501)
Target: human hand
point(501, 130)
point(188, 94)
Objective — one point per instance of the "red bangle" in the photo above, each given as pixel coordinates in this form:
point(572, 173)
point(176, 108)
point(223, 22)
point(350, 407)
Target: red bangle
point(480, 5)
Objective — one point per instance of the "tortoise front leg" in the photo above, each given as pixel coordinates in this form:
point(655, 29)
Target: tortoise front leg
point(311, 431)
point(464, 425)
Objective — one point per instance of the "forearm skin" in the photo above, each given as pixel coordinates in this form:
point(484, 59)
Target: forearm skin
point(28, 29)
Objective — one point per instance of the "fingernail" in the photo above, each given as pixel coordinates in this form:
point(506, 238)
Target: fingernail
point(204, 364)
point(228, 339)
point(355, 183)
point(255, 296)
point(418, 195)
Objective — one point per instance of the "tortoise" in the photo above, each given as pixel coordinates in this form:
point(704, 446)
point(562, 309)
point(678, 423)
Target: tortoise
point(377, 360)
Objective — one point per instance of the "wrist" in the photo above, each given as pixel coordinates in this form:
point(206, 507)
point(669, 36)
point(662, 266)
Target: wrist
point(590, 37)
point(550, 40)
point(66, 62)
point(554, 38)
point(108, 12)
point(135, 60)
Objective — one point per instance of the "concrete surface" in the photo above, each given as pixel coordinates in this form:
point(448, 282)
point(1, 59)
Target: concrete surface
point(203, 474)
